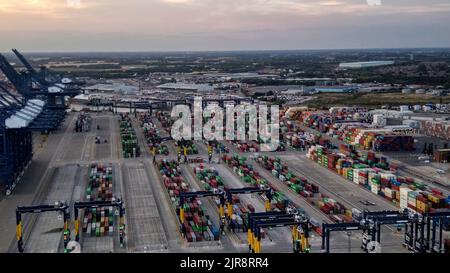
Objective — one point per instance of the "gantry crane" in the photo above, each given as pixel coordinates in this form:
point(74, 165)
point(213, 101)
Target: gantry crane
point(19, 82)
point(370, 225)
point(300, 229)
point(117, 203)
point(58, 207)
point(373, 220)
point(47, 94)
point(420, 233)
point(262, 189)
point(32, 110)
point(433, 219)
point(328, 228)
point(199, 194)
point(41, 76)
point(255, 216)
point(32, 84)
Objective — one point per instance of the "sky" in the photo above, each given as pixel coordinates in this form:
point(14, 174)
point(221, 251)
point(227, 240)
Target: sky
point(196, 25)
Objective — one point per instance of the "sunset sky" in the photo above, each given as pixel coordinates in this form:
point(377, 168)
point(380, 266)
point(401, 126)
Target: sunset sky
point(166, 25)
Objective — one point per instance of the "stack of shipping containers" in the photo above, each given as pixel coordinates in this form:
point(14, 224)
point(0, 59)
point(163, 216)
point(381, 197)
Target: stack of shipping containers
point(99, 221)
point(130, 146)
point(375, 175)
point(197, 224)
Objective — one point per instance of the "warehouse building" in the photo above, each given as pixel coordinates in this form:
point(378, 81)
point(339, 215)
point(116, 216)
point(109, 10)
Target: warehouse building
point(186, 87)
point(335, 89)
point(365, 64)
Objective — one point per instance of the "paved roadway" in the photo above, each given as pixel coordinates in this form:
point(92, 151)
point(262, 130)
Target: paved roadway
point(33, 187)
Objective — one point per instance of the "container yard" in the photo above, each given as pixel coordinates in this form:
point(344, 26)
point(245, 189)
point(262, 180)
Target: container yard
point(374, 175)
point(359, 128)
point(121, 185)
point(171, 206)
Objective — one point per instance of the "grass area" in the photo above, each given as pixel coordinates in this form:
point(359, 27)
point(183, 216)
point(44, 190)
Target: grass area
point(373, 99)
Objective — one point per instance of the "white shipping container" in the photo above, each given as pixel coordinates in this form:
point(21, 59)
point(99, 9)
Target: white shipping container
point(403, 202)
point(404, 192)
point(355, 176)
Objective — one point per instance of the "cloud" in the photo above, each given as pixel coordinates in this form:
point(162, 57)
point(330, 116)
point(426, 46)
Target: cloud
point(308, 7)
point(331, 3)
point(190, 24)
point(178, 1)
point(43, 7)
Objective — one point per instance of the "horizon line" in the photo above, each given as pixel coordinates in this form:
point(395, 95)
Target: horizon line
point(235, 50)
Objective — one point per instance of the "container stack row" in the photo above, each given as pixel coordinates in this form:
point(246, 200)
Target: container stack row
point(130, 146)
point(245, 147)
point(381, 181)
point(279, 200)
point(244, 170)
point(197, 225)
point(151, 134)
point(210, 179)
point(99, 221)
point(357, 129)
point(310, 191)
point(165, 120)
point(252, 178)
point(190, 146)
point(218, 147)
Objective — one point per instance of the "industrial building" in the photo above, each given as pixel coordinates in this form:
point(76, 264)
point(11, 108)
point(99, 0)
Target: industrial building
point(112, 87)
point(354, 65)
point(186, 87)
point(335, 89)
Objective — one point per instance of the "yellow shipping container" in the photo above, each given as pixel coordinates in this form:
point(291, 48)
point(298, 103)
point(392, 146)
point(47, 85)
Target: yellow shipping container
point(433, 198)
point(421, 206)
point(348, 213)
point(344, 172)
point(395, 194)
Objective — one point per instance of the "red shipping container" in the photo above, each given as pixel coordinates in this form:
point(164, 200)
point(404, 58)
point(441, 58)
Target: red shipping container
point(436, 191)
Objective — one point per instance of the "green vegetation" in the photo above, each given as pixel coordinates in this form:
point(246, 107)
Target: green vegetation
point(373, 99)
